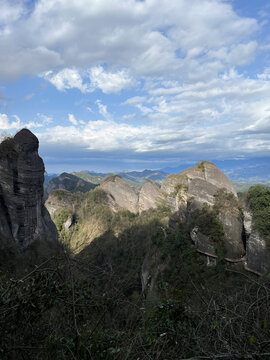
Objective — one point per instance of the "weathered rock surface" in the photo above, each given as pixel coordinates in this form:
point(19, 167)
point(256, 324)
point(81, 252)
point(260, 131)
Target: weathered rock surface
point(59, 199)
point(70, 183)
point(120, 195)
point(148, 196)
point(202, 243)
point(257, 252)
point(24, 218)
point(202, 185)
point(200, 182)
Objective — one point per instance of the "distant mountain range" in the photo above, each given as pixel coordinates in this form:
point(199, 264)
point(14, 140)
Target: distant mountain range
point(134, 176)
point(86, 180)
point(242, 172)
point(253, 170)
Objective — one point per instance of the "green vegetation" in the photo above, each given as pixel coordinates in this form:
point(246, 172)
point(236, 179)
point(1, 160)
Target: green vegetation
point(86, 301)
point(90, 306)
point(259, 200)
point(241, 187)
point(200, 166)
point(87, 177)
point(179, 188)
point(71, 183)
point(163, 209)
point(225, 200)
point(209, 224)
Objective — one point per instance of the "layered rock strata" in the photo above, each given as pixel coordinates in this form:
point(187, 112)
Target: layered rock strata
point(24, 218)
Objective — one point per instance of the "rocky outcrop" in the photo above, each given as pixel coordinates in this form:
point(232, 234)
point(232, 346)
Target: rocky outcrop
point(59, 199)
point(200, 182)
point(24, 218)
point(203, 244)
point(120, 195)
point(148, 196)
point(257, 252)
point(205, 185)
point(70, 183)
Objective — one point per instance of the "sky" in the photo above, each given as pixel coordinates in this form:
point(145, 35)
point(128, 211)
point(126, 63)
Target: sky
point(133, 84)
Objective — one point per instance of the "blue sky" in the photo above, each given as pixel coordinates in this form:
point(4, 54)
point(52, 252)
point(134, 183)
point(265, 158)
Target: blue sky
point(128, 84)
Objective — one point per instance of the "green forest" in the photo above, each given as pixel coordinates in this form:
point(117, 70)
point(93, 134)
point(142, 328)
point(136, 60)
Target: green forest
point(85, 299)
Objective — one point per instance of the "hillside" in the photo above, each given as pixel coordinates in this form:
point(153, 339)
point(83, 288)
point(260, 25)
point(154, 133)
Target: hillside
point(149, 292)
point(70, 183)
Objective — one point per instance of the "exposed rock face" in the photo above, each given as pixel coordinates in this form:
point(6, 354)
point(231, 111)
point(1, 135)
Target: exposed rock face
point(202, 185)
point(148, 196)
point(24, 218)
point(120, 194)
point(70, 183)
point(202, 242)
point(200, 182)
point(257, 253)
point(59, 199)
point(232, 222)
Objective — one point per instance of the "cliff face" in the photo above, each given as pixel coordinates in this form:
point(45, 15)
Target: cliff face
point(257, 251)
point(120, 194)
point(204, 184)
point(148, 196)
point(24, 218)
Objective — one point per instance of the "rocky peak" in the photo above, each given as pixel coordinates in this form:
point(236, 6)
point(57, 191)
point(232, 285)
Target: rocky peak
point(205, 185)
point(120, 194)
point(26, 142)
point(23, 215)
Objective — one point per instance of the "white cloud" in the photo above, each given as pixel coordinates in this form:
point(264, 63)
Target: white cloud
point(240, 54)
point(128, 117)
point(72, 119)
point(146, 38)
point(135, 100)
point(265, 75)
point(40, 120)
point(5, 123)
point(66, 79)
point(103, 110)
point(110, 82)
point(181, 57)
point(11, 12)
